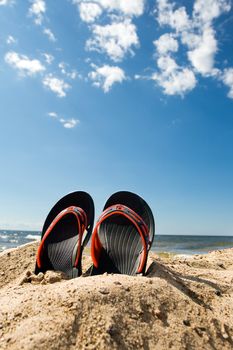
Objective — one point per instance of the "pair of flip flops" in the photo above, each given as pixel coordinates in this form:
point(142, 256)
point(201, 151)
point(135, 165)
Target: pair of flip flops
point(120, 241)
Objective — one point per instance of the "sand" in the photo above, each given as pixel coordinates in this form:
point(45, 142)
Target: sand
point(183, 303)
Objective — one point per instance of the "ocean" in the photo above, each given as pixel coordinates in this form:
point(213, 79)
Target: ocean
point(162, 243)
point(12, 239)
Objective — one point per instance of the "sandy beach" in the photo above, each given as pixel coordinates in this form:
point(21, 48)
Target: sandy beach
point(182, 303)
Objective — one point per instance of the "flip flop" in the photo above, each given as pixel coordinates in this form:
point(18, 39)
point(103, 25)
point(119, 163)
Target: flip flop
point(66, 231)
point(123, 235)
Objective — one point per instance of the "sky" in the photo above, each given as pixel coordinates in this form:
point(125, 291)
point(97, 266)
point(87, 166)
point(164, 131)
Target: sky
point(109, 95)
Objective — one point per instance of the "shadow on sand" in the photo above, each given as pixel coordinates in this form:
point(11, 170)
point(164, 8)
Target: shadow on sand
point(178, 281)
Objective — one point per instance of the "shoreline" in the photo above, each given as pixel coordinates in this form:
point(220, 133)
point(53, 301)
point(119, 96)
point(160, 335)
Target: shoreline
point(162, 253)
point(163, 244)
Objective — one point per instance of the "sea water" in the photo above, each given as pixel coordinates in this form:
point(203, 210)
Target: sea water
point(189, 244)
point(162, 243)
point(12, 239)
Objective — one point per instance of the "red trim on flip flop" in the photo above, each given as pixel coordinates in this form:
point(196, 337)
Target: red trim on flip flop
point(142, 228)
point(81, 217)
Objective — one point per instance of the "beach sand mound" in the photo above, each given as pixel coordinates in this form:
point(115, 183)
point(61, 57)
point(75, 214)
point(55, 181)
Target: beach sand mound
point(183, 303)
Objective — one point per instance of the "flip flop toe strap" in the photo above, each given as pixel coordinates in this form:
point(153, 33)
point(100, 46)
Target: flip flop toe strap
point(135, 219)
point(81, 217)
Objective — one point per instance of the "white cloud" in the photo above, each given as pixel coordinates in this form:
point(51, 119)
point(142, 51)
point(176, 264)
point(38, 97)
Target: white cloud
point(37, 10)
point(178, 82)
point(228, 80)
point(58, 86)
point(207, 10)
point(23, 64)
point(167, 64)
point(53, 115)
point(166, 43)
point(10, 40)
point(48, 58)
point(6, 2)
point(204, 45)
point(196, 33)
point(67, 123)
point(89, 11)
point(73, 74)
point(173, 79)
point(62, 67)
point(190, 39)
point(129, 7)
point(115, 39)
point(176, 19)
point(106, 76)
point(49, 34)
point(118, 37)
point(202, 56)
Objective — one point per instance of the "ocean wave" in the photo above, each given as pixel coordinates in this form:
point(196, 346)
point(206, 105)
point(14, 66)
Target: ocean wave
point(33, 237)
point(4, 236)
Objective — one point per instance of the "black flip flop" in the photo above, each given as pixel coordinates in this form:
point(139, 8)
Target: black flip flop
point(66, 231)
point(123, 235)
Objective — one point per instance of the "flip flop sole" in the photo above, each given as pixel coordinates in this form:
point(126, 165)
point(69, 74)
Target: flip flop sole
point(122, 245)
point(63, 244)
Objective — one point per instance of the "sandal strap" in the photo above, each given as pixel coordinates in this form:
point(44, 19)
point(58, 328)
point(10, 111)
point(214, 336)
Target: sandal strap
point(137, 221)
point(81, 217)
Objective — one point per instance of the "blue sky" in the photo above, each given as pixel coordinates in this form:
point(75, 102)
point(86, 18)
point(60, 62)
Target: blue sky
point(118, 95)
